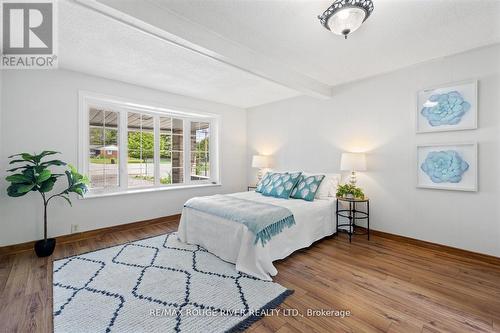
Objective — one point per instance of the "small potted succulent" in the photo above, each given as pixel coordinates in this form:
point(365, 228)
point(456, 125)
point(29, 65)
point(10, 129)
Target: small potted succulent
point(350, 191)
point(35, 176)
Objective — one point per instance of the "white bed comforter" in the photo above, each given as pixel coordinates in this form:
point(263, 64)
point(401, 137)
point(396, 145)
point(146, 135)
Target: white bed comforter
point(233, 242)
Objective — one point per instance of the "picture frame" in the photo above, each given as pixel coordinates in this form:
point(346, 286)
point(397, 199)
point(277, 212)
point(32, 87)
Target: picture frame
point(447, 107)
point(434, 171)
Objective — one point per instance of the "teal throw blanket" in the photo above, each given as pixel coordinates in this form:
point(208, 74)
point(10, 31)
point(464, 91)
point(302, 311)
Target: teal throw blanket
point(262, 219)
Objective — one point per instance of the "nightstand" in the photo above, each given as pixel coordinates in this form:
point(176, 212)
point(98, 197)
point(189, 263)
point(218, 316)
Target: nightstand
point(251, 187)
point(353, 214)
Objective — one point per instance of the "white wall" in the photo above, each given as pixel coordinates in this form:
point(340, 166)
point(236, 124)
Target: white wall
point(377, 115)
point(40, 111)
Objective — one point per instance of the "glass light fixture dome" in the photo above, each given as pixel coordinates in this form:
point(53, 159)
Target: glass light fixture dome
point(346, 16)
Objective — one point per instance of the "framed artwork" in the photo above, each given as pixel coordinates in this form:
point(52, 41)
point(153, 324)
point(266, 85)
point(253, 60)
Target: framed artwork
point(447, 166)
point(450, 107)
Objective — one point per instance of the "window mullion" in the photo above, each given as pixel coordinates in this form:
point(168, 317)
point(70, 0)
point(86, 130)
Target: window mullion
point(156, 154)
point(123, 149)
point(187, 150)
point(212, 152)
point(103, 142)
point(84, 133)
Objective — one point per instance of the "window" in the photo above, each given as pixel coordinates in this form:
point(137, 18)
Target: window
point(103, 148)
point(141, 149)
point(171, 153)
point(130, 147)
point(200, 160)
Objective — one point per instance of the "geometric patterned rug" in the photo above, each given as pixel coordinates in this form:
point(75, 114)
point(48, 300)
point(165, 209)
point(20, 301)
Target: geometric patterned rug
point(157, 284)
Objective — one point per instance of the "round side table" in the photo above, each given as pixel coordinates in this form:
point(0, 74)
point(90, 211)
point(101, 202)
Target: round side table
point(353, 214)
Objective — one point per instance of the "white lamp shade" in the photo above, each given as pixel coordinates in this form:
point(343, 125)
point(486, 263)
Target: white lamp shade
point(353, 162)
point(260, 161)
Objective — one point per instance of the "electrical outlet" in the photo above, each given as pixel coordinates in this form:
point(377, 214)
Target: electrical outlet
point(74, 228)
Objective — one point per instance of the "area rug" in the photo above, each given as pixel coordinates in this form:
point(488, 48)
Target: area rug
point(157, 284)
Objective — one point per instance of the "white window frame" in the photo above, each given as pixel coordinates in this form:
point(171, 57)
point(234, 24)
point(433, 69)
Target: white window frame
point(123, 106)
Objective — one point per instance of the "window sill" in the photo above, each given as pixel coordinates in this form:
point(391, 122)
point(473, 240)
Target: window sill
point(91, 195)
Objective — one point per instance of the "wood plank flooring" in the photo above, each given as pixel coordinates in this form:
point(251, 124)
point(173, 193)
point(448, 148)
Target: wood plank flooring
point(388, 285)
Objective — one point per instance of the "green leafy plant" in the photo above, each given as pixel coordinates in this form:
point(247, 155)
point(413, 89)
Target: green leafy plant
point(35, 176)
point(346, 189)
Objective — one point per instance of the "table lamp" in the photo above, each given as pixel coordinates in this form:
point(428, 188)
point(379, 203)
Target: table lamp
point(353, 162)
point(260, 162)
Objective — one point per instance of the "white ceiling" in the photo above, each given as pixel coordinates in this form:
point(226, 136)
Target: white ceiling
point(255, 52)
point(92, 43)
point(399, 32)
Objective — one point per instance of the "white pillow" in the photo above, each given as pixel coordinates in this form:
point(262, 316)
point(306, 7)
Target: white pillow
point(328, 187)
point(286, 171)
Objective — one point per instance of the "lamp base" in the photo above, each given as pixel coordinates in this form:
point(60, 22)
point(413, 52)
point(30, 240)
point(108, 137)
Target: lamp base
point(259, 175)
point(352, 178)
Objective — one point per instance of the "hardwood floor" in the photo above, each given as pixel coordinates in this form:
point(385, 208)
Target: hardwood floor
point(388, 285)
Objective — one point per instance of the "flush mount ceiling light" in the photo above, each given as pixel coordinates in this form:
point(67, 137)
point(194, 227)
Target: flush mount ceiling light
point(346, 16)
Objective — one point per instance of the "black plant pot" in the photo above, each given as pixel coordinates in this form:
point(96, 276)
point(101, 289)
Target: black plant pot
point(45, 248)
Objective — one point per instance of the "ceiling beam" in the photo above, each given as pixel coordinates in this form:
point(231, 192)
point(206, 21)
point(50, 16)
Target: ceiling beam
point(175, 29)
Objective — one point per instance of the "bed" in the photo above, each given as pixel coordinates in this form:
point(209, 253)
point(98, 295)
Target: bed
point(233, 242)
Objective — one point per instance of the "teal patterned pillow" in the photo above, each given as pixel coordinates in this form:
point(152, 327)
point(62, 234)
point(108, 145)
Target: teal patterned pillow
point(263, 182)
point(280, 185)
point(306, 187)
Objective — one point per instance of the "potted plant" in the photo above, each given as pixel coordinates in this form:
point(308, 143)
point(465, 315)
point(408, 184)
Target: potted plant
point(350, 191)
point(35, 176)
